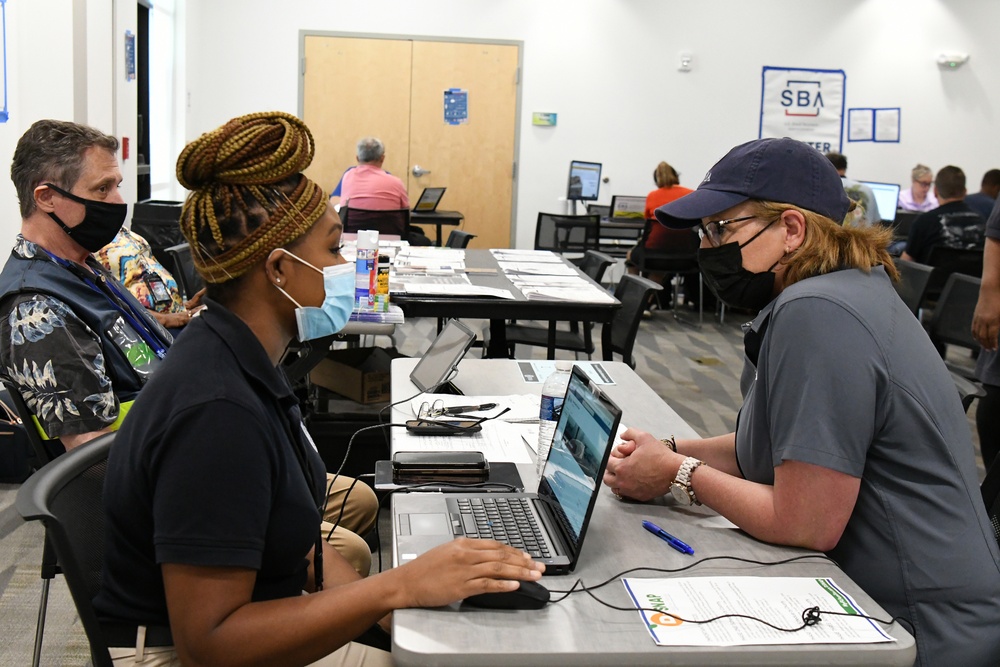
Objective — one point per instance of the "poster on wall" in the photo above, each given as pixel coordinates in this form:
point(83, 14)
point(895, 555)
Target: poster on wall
point(804, 104)
point(456, 106)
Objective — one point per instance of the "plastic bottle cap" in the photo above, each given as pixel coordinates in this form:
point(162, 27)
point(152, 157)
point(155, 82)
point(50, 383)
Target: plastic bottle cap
point(564, 365)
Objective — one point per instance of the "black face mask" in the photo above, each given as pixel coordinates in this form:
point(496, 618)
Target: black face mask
point(724, 274)
point(101, 221)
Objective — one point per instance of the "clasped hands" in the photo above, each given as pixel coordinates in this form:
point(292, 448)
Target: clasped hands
point(641, 467)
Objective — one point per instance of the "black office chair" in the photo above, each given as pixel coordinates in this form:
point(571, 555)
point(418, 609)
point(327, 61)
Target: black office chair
point(632, 292)
point(45, 452)
point(67, 497)
point(947, 261)
point(459, 239)
point(990, 489)
point(968, 390)
point(913, 280)
point(594, 265)
point(394, 221)
point(187, 277)
point(951, 323)
point(567, 233)
point(680, 259)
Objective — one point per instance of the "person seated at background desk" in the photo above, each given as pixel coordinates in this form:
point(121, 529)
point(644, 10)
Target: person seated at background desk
point(952, 224)
point(668, 189)
point(76, 343)
point(368, 186)
point(982, 202)
point(867, 213)
point(851, 439)
point(221, 559)
point(918, 197)
point(130, 258)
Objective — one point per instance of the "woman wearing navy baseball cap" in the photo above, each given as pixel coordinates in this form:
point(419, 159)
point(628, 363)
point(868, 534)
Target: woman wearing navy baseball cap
point(851, 439)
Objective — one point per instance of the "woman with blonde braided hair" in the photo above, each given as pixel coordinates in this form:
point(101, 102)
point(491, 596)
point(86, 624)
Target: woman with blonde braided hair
point(213, 483)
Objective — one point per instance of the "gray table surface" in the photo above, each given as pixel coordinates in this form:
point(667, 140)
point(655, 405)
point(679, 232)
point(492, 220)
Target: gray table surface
point(579, 631)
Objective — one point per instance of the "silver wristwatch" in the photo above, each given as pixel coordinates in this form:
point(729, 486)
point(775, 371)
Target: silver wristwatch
point(681, 488)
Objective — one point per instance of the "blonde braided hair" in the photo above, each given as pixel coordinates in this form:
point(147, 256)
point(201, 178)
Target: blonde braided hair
point(248, 195)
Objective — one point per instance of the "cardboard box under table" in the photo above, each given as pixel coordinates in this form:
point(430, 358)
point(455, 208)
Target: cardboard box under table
point(361, 374)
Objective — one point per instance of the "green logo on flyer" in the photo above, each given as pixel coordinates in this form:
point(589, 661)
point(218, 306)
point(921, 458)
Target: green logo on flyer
point(140, 355)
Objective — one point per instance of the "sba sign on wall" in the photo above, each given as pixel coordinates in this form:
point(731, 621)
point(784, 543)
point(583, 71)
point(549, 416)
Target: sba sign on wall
point(804, 104)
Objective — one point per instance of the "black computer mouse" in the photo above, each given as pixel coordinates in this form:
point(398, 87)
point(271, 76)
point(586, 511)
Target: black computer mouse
point(531, 595)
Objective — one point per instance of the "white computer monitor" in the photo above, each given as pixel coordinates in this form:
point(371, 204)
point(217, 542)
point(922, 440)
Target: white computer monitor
point(584, 181)
point(886, 198)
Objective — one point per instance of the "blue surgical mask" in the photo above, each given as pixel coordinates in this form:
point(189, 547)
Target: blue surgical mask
point(328, 319)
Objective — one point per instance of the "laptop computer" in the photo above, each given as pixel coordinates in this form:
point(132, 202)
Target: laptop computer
point(886, 198)
point(429, 200)
point(435, 369)
point(625, 207)
point(558, 514)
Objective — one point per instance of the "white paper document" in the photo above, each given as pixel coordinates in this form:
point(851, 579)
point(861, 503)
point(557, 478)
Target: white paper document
point(515, 255)
point(457, 290)
point(536, 371)
point(778, 600)
point(537, 269)
point(582, 294)
point(498, 441)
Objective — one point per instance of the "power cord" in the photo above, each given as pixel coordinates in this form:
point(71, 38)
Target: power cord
point(810, 616)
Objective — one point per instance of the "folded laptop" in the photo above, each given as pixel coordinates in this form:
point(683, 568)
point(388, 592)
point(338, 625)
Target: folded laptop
point(429, 200)
point(549, 524)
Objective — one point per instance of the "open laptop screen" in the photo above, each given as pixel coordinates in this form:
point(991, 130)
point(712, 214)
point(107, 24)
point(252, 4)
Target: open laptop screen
point(624, 206)
point(429, 200)
point(886, 198)
point(579, 452)
point(441, 358)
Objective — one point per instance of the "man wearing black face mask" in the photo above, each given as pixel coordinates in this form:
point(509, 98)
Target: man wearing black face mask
point(73, 340)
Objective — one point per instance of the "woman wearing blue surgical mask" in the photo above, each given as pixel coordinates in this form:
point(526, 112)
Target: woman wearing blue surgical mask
point(214, 487)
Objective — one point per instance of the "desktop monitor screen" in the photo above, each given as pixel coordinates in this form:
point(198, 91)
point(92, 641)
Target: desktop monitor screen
point(584, 180)
point(886, 197)
point(623, 206)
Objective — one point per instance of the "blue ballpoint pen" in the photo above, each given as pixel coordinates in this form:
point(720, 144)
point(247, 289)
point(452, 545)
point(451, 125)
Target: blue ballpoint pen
point(668, 538)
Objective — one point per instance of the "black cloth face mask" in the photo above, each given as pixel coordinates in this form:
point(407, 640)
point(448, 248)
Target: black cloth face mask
point(722, 268)
point(101, 221)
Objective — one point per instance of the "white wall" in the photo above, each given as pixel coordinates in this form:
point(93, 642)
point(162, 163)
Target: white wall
point(64, 61)
point(608, 68)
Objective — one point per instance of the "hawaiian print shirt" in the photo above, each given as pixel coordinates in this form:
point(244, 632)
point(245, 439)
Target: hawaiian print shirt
point(130, 259)
point(56, 360)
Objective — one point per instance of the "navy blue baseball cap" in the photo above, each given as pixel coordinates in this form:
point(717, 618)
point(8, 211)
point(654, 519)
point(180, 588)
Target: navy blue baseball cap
point(779, 170)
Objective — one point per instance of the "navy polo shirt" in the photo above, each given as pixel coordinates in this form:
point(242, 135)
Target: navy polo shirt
point(209, 468)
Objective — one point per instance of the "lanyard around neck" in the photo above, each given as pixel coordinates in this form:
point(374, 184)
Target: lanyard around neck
point(117, 300)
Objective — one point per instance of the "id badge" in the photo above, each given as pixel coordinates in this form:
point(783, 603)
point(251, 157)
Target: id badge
point(157, 289)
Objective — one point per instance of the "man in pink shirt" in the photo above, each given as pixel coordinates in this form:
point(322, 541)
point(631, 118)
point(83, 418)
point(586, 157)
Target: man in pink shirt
point(368, 186)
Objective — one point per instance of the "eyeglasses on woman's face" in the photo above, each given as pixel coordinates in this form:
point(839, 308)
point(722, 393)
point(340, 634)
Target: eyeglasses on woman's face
point(714, 229)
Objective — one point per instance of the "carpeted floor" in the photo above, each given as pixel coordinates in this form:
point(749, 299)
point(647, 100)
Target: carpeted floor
point(695, 369)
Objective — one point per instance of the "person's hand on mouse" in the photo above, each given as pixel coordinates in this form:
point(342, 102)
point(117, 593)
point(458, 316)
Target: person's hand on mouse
point(463, 567)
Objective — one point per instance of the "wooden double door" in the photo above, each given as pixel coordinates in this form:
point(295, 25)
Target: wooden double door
point(396, 89)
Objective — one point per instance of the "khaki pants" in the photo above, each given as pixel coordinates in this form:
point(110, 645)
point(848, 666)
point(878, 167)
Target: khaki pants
point(349, 655)
point(360, 510)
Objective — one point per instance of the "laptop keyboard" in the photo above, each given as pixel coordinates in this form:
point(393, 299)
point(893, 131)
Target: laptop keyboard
point(507, 520)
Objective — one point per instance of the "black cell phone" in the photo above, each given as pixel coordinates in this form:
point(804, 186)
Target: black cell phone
point(440, 466)
point(450, 427)
point(157, 289)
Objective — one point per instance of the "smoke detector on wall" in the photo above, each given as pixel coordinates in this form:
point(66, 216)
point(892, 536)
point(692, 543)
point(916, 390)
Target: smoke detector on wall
point(952, 60)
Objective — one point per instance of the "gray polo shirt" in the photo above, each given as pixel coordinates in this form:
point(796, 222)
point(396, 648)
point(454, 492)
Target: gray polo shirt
point(847, 379)
point(988, 364)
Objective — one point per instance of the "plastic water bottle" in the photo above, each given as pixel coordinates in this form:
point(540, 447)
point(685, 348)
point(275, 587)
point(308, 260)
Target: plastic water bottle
point(553, 394)
point(366, 270)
